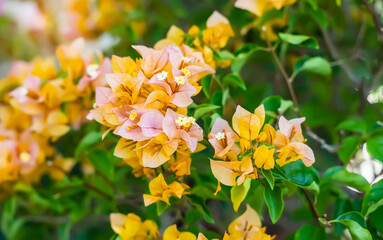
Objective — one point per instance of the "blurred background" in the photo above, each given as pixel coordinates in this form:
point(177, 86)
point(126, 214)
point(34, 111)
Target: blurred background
point(340, 110)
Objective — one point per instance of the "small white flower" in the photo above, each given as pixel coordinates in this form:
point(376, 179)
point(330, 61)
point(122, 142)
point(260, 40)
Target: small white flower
point(180, 80)
point(91, 70)
point(162, 75)
point(219, 135)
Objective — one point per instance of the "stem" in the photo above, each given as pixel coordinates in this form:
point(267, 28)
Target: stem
point(312, 207)
point(375, 16)
point(232, 102)
point(288, 81)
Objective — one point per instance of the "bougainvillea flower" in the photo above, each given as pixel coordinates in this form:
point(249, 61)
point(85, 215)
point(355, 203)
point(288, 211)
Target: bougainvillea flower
point(153, 61)
point(263, 157)
point(95, 75)
point(181, 165)
point(177, 126)
point(218, 31)
point(230, 173)
point(54, 123)
point(248, 125)
point(161, 191)
point(155, 152)
point(290, 140)
point(141, 124)
point(172, 233)
point(131, 227)
point(259, 7)
point(70, 57)
point(248, 227)
point(178, 87)
point(222, 138)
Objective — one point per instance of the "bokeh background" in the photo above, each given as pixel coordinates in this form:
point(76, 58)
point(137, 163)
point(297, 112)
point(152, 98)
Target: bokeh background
point(353, 93)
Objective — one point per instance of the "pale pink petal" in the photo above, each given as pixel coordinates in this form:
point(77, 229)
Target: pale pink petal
point(151, 123)
point(216, 18)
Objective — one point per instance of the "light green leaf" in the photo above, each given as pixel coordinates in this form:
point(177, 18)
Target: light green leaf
point(317, 65)
point(204, 109)
point(375, 147)
point(354, 221)
point(299, 40)
point(373, 196)
point(206, 85)
point(239, 193)
point(374, 207)
point(234, 80)
point(348, 148)
point(339, 174)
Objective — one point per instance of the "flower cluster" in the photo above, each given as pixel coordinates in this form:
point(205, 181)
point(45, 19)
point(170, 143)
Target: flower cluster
point(209, 41)
point(146, 104)
point(39, 104)
point(260, 8)
point(248, 226)
point(260, 145)
point(90, 18)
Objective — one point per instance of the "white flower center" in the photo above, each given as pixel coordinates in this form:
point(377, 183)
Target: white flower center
point(91, 70)
point(180, 80)
point(186, 59)
point(219, 135)
point(162, 75)
point(184, 121)
point(23, 91)
point(25, 157)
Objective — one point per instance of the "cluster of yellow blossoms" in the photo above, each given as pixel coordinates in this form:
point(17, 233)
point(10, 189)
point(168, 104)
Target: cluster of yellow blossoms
point(39, 104)
point(90, 18)
point(146, 104)
point(260, 8)
point(258, 149)
point(208, 41)
point(130, 227)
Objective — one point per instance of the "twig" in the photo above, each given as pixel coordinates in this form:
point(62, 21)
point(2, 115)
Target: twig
point(323, 143)
point(313, 208)
point(232, 102)
point(375, 16)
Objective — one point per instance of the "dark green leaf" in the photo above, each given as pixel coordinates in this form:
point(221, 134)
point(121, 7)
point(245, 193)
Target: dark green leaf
point(339, 174)
point(274, 201)
point(375, 147)
point(348, 148)
point(234, 80)
point(310, 232)
point(101, 162)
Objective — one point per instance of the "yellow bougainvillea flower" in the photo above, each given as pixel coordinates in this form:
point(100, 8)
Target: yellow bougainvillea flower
point(230, 173)
point(172, 233)
point(161, 191)
point(247, 227)
point(290, 141)
point(70, 57)
point(259, 7)
point(218, 31)
point(263, 157)
point(222, 138)
point(131, 227)
point(248, 125)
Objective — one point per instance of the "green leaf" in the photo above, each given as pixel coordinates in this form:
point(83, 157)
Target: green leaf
point(239, 193)
point(355, 224)
point(373, 196)
point(269, 177)
point(302, 40)
point(375, 147)
point(206, 85)
point(200, 205)
point(161, 207)
point(235, 80)
point(101, 162)
point(244, 53)
point(353, 125)
point(297, 173)
point(192, 216)
point(311, 232)
point(86, 142)
point(274, 201)
point(339, 174)
point(374, 207)
point(317, 65)
point(275, 105)
point(348, 148)
point(203, 109)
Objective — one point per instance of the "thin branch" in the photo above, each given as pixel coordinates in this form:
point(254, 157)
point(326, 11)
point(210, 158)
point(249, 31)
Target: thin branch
point(288, 81)
point(313, 208)
point(375, 16)
point(231, 100)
